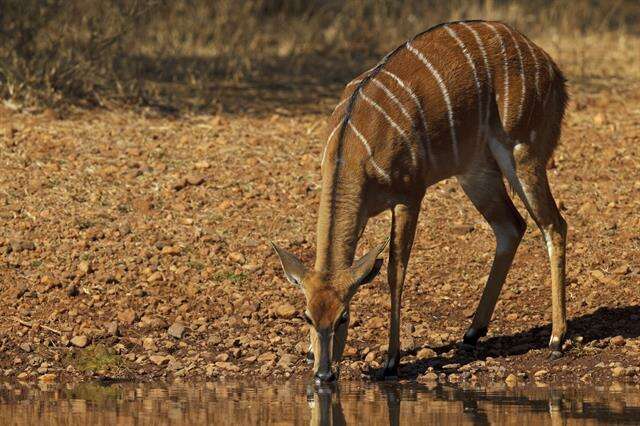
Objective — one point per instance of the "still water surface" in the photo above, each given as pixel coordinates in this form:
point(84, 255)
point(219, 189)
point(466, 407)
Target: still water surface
point(240, 403)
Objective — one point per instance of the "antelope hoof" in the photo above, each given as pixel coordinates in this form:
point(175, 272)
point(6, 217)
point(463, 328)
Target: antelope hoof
point(310, 357)
point(472, 336)
point(555, 346)
point(390, 371)
point(553, 355)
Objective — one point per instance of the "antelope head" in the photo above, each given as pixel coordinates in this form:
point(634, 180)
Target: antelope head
point(328, 295)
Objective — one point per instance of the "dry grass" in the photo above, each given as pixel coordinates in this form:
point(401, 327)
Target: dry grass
point(184, 53)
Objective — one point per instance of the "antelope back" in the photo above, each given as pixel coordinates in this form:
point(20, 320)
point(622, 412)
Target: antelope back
point(426, 109)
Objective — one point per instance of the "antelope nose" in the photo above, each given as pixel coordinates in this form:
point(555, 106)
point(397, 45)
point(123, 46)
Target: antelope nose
point(325, 376)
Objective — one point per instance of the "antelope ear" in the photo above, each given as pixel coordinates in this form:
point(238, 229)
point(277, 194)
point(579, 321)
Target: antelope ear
point(293, 268)
point(366, 268)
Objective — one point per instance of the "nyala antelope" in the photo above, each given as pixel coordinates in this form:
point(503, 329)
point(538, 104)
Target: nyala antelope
point(472, 99)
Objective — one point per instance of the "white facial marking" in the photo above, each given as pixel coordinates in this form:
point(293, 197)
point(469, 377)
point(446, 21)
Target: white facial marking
point(503, 50)
point(445, 95)
point(376, 166)
point(393, 124)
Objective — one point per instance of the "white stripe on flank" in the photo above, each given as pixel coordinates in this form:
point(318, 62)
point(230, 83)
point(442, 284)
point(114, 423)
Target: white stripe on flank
point(394, 99)
point(423, 117)
point(445, 95)
point(505, 109)
point(487, 67)
point(326, 146)
point(393, 124)
point(352, 82)
point(467, 55)
point(536, 64)
point(522, 75)
point(375, 165)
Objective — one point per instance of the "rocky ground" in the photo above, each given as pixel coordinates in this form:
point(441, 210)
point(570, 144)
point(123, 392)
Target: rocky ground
point(135, 246)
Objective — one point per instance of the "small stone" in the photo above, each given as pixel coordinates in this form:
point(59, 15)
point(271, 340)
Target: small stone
point(285, 310)
point(195, 180)
point(22, 376)
point(159, 360)
point(540, 374)
point(113, 329)
point(349, 351)
point(237, 257)
point(22, 290)
point(618, 341)
point(267, 357)
point(511, 380)
point(19, 246)
point(210, 369)
point(47, 378)
point(227, 366)
point(127, 316)
point(286, 361)
point(429, 377)
point(26, 347)
point(171, 250)
point(176, 330)
point(79, 341)
point(618, 371)
point(371, 356)
point(149, 344)
point(222, 357)
point(154, 277)
point(85, 268)
point(376, 322)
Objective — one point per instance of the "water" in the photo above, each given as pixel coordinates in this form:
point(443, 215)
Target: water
point(238, 403)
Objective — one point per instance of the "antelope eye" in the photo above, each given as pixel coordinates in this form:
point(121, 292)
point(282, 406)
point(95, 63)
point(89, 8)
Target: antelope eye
point(306, 318)
point(343, 318)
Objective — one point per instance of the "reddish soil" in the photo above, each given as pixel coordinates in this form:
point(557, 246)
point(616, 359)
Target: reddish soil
point(122, 227)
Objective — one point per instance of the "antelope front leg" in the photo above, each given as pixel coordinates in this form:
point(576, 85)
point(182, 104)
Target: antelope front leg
point(403, 229)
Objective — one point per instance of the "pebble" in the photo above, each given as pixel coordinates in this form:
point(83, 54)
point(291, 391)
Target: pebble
point(159, 360)
point(267, 357)
point(79, 341)
point(26, 347)
point(222, 357)
point(511, 380)
point(85, 268)
point(237, 257)
point(47, 378)
point(540, 373)
point(176, 330)
point(618, 371)
point(113, 329)
point(618, 341)
point(127, 316)
point(149, 344)
point(285, 310)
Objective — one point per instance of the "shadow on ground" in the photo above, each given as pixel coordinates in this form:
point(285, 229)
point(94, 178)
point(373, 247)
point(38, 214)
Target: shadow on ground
point(598, 327)
point(303, 83)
